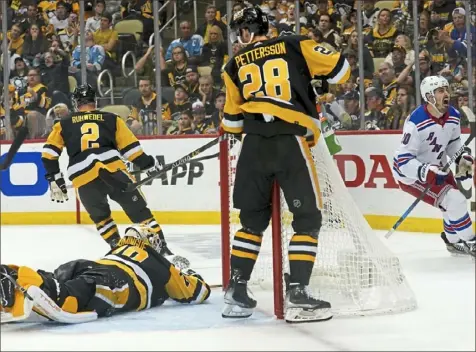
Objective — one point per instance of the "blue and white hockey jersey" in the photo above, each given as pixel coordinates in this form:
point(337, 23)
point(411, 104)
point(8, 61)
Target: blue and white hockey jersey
point(426, 139)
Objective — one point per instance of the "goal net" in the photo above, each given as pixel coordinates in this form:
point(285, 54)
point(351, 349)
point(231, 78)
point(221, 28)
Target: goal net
point(354, 270)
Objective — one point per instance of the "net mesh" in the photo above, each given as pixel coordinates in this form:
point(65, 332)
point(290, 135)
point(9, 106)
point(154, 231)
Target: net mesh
point(354, 270)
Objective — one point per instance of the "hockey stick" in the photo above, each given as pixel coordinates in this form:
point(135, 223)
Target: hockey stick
point(460, 151)
point(183, 160)
point(138, 172)
point(206, 157)
point(16, 144)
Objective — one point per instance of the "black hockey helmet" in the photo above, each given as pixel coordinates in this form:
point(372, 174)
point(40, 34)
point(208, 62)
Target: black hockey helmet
point(251, 18)
point(83, 94)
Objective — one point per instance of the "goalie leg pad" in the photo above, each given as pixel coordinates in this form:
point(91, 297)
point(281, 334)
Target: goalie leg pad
point(45, 306)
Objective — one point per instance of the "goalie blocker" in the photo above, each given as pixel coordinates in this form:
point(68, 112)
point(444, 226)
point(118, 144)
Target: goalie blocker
point(133, 276)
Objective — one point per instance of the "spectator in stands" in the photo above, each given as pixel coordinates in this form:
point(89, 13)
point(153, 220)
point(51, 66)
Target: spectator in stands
point(35, 43)
point(145, 66)
point(456, 40)
point(387, 83)
point(94, 23)
point(397, 59)
point(19, 75)
point(404, 42)
point(351, 27)
point(36, 103)
point(455, 73)
point(424, 29)
point(438, 52)
point(290, 21)
point(210, 20)
point(217, 115)
point(382, 37)
point(369, 15)
point(202, 124)
point(215, 52)
point(15, 40)
point(352, 108)
point(54, 75)
point(143, 116)
point(191, 81)
point(59, 20)
point(425, 66)
point(405, 105)
point(192, 43)
point(95, 56)
point(376, 114)
point(33, 17)
point(17, 113)
point(70, 35)
point(185, 124)
point(142, 10)
point(329, 34)
point(107, 37)
point(208, 93)
point(176, 68)
point(353, 44)
point(322, 8)
point(440, 12)
point(181, 101)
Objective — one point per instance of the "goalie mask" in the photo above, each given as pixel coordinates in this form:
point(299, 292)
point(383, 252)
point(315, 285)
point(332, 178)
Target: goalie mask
point(252, 19)
point(144, 233)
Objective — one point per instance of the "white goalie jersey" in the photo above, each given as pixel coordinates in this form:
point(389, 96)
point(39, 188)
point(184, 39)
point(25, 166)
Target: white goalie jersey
point(426, 140)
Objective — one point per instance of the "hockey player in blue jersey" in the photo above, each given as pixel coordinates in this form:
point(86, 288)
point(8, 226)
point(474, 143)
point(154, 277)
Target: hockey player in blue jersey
point(431, 134)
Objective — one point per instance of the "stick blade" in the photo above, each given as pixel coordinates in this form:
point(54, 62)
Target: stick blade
point(16, 144)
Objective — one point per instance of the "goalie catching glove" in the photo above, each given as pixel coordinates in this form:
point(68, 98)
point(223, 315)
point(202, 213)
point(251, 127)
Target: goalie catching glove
point(58, 190)
point(465, 166)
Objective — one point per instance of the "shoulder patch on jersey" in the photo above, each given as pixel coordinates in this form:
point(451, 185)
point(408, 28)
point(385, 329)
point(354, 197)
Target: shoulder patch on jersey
point(453, 112)
point(419, 115)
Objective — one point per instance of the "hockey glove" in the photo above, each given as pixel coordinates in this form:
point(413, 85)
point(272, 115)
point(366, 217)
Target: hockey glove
point(58, 191)
point(155, 168)
point(7, 287)
point(432, 174)
point(465, 167)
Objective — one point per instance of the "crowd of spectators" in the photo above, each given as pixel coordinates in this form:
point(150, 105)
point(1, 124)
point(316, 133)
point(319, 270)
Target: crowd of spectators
point(45, 59)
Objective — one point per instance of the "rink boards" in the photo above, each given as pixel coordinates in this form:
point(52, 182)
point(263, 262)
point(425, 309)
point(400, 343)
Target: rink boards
point(190, 194)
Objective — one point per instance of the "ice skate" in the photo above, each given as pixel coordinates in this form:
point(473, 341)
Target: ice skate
point(238, 304)
point(459, 248)
point(302, 307)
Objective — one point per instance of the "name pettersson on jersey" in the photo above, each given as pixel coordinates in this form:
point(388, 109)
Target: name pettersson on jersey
point(260, 53)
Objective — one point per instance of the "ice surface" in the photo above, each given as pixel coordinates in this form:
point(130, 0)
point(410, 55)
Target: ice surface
point(444, 287)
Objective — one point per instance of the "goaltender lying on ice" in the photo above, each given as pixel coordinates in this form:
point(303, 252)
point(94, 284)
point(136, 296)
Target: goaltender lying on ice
point(132, 276)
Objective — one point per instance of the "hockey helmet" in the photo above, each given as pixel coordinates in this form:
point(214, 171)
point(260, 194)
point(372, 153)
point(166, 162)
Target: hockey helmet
point(250, 18)
point(430, 84)
point(82, 95)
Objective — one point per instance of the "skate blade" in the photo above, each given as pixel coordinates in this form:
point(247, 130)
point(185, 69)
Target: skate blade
point(305, 315)
point(235, 311)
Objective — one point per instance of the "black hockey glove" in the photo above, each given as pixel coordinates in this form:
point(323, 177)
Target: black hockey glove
point(58, 190)
point(7, 287)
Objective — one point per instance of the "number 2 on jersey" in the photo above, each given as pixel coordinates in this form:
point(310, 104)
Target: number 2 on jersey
point(90, 134)
point(276, 79)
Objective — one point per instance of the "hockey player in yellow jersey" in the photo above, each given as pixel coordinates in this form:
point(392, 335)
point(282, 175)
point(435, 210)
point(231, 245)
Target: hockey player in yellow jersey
point(269, 99)
point(96, 143)
point(132, 277)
